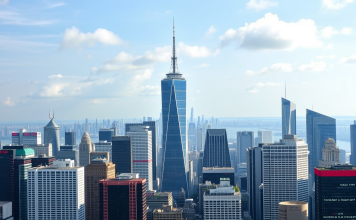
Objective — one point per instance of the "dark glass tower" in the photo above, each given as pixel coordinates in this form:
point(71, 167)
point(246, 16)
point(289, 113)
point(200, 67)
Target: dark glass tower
point(175, 165)
point(216, 150)
point(70, 138)
point(289, 112)
point(105, 134)
point(245, 139)
point(122, 154)
point(353, 143)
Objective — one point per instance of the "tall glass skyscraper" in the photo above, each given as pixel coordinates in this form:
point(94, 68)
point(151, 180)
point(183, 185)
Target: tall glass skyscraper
point(175, 152)
point(289, 123)
point(245, 139)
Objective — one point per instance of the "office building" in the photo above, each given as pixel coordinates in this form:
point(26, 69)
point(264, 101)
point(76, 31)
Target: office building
point(213, 174)
point(106, 134)
point(203, 187)
point(189, 210)
point(330, 154)
point(26, 138)
point(122, 154)
point(51, 135)
point(56, 192)
point(199, 139)
point(69, 152)
point(353, 143)
point(293, 210)
point(85, 147)
point(104, 146)
point(6, 210)
point(216, 150)
point(335, 192)
point(285, 173)
point(245, 139)
point(254, 180)
point(342, 156)
point(70, 138)
point(142, 153)
point(123, 197)
point(152, 126)
point(223, 202)
point(41, 149)
point(42, 160)
point(18, 159)
point(265, 137)
point(63, 163)
point(192, 136)
point(7, 175)
point(155, 200)
point(168, 212)
point(175, 163)
point(289, 117)
point(97, 170)
point(98, 155)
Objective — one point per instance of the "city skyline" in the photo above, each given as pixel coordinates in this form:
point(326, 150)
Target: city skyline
point(59, 59)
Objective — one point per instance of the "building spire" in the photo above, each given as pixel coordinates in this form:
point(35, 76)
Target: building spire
point(174, 66)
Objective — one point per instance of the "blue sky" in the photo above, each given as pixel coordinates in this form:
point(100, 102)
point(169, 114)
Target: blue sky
point(90, 59)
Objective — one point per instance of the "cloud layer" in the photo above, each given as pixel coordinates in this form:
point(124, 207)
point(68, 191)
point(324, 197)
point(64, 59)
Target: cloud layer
point(336, 4)
point(260, 4)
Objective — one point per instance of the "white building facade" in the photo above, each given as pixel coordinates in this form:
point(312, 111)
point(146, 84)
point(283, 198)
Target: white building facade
point(285, 174)
point(222, 203)
point(142, 153)
point(56, 193)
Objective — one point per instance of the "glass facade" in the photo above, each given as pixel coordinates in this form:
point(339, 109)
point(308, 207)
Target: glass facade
point(216, 150)
point(245, 139)
point(289, 112)
point(174, 168)
point(353, 143)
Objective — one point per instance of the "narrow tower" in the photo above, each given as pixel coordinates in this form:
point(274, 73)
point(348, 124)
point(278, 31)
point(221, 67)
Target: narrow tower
point(175, 165)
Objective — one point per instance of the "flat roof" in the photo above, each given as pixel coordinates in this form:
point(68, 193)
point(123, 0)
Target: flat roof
point(293, 203)
point(56, 168)
point(218, 170)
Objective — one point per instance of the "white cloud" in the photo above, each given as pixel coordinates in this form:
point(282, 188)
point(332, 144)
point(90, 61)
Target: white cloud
point(326, 57)
point(15, 18)
point(210, 31)
point(260, 4)
point(346, 31)
point(278, 67)
point(329, 31)
point(256, 87)
point(73, 38)
point(58, 4)
point(271, 33)
point(55, 76)
point(336, 4)
point(8, 102)
point(195, 51)
point(313, 67)
point(328, 47)
point(3, 2)
point(350, 60)
point(97, 101)
point(203, 65)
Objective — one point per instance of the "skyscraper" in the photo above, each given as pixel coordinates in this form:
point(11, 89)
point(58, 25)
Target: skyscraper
point(330, 154)
point(216, 150)
point(353, 143)
point(191, 115)
point(70, 138)
point(51, 135)
point(122, 154)
point(175, 164)
point(105, 134)
point(199, 139)
point(192, 136)
point(289, 123)
point(265, 137)
point(85, 147)
point(245, 139)
point(285, 174)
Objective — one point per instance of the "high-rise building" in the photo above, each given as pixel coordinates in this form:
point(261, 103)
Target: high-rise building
point(51, 135)
point(192, 136)
point(223, 202)
point(254, 180)
point(6, 210)
point(202, 189)
point(123, 197)
point(342, 156)
point(155, 200)
point(175, 163)
point(330, 154)
point(85, 147)
point(122, 154)
point(216, 150)
point(245, 139)
point(26, 138)
point(41, 149)
point(199, 139)
point(192, 115)
point(56, 192)
point(70, 138)
point(106, 134)
point(289, 117)
point(7, 176)
point(69, 152)
point(265, 137)
point(293, 210)
point(97, 170)
point(285, 174)
point(104, 146)
point(213, 174)
point(335, 192)
point(42, 160)
point(353, 143)
point(142, 153)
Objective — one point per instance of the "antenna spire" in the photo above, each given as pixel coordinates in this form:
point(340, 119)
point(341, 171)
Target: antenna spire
point(174, 59)
point(49, 111)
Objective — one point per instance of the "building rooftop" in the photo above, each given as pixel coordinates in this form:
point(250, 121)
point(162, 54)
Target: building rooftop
point(51, 124)
point(293, 203)
point(25, 152)
point(56, 168)
point(218, 169)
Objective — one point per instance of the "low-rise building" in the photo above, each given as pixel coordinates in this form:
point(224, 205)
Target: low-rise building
point(167, 212)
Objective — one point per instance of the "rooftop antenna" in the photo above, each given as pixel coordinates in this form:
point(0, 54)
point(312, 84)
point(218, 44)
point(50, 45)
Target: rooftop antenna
point(49, 111)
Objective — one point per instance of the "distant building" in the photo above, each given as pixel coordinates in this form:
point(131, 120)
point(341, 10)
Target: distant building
point(192, 136)
point(199, 139)
point(41, 149)
point(265, 137)
point(122, 154)
point(245, 139)
point(223, 202)
point(69, 152)
point(289, 117)
point(123, 197)
point(335, 195)
point(285, 164)
point(98, 155)
point(51, 135)
point(85, 147)
point(26, 138)
point(42, 160)
point(106, 134)
point(70, 138)
point(104, 146)
point(353, 143)
point(342, 156)
point(6, 210)
point(293, 210)
point(214, 174)
point(216, 150)
point(40, 195)
point(330, 154)
point(168, 212)
point(97, 170)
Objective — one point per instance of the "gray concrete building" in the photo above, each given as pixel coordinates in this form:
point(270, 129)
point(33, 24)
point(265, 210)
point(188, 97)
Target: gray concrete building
point(85, 147)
